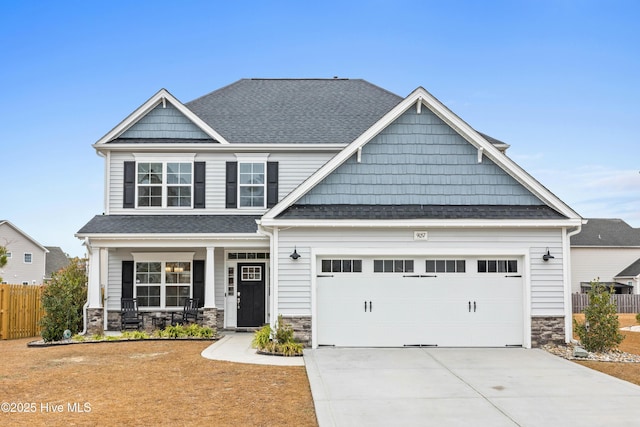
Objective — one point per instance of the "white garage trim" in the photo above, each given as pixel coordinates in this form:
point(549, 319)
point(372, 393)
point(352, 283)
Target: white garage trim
point(522, 254)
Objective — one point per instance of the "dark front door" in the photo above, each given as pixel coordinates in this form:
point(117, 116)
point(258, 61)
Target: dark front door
point(251, 294)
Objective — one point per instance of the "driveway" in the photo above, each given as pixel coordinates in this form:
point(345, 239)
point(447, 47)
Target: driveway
point(463, 387)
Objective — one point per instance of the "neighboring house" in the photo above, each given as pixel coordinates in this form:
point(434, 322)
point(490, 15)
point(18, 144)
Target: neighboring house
point(608, 250)
point(55, 261)
point(364, 218)
point(25, 256)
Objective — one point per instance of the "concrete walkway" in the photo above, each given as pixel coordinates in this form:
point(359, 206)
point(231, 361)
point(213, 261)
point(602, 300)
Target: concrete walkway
point(236, 347)
point(464, 387)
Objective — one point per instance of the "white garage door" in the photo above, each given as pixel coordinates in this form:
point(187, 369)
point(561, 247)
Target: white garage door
point(393, 302)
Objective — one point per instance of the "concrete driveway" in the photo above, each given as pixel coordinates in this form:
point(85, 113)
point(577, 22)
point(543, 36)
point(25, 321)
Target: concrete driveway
point(464, 387)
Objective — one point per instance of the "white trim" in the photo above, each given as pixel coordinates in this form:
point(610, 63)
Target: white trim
point(456, 123)
point(425, 223)
point(161, 96)
point(24, 258)
point(252, 157)
point(251, 160)
point(163, 256)
point(215, 147)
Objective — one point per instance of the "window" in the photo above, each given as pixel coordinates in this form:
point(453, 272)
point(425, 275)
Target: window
point(251, 273)
point(342, 266)
point(230, 281)
point(28, 258)
point(498, 266)
point(251, 185)
point(163, 284)
point(8, 255)
point(393, 266)
point(164, 184)
point(446, 266)
point(248, 255)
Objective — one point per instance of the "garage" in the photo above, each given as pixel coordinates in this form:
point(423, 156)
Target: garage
point(382, 301)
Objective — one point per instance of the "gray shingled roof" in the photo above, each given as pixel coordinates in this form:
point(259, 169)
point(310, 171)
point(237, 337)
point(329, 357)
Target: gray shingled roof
point(55, 260)
point(419, 212)
point(294, 110)
point(607, 232)
point(178, 224)
point(631, 271)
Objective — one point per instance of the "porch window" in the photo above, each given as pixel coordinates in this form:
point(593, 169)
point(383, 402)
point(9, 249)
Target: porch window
point(163, 283)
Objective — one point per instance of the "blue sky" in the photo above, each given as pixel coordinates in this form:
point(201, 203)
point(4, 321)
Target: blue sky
point(558, 80)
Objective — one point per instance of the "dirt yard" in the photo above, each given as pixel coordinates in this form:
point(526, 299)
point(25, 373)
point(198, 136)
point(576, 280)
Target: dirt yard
point(145, 383)
point(631, 344)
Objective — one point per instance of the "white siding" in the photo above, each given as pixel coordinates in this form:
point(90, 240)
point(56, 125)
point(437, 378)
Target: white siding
point(16, 271)
point(546, 278)
point(604, 263)
point(294, 168)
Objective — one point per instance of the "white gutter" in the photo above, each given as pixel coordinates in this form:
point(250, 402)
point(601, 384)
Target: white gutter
point(568, 320)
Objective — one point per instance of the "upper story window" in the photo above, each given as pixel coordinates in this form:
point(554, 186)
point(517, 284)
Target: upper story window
point(28, 258)
point(251, 185)
point(164, 184)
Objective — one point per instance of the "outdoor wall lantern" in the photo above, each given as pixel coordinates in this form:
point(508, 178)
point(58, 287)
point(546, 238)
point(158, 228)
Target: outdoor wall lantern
point(547, 256)
point(295, 255)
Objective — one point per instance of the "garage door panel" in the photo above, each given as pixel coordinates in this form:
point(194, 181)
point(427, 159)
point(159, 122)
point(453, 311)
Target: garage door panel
point(444, 309)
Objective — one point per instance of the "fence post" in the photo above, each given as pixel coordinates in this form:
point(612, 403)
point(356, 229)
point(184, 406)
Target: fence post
point(4, 312)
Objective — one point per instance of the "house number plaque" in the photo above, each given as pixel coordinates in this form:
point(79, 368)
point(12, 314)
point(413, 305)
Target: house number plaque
point(420, 235)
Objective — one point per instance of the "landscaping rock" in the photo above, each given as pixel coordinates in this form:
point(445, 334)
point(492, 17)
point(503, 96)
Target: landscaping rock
point(580, 352)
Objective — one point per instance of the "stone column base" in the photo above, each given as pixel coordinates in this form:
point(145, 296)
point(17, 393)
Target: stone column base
point(547, 330)
point(95, 321)
point(212, 317)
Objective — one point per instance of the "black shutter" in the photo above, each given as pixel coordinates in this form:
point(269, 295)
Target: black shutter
point(198, 185)
point(198, 281)
point(129, 192)
point(232, 185)
point(272, 184)
point(127, 279)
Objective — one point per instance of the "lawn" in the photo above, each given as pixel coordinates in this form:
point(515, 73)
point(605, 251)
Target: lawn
point(631, 344)
point(146, 383)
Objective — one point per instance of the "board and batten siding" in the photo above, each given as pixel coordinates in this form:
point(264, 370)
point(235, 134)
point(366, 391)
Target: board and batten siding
point(165, 122)
point(546, 278)
point(418, 159)
point(603, 263)
point(294, 168)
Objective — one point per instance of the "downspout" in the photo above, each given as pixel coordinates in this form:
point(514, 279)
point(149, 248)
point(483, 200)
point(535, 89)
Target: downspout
point(273, 260)
point(86, 304)
point(568, 321)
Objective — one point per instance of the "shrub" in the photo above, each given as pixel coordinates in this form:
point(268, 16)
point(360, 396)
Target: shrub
point(601, 329)
point(638, 317)
point(280, 341)
point(62, 300)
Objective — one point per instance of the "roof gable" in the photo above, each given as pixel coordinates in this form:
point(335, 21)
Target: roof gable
point(631, 271)
point(158, 123)
point(419, 160)
point(25, 235)
point(420, 99)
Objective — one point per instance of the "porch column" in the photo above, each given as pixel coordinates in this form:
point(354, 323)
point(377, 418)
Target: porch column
point(93, 284)
point(209, 280)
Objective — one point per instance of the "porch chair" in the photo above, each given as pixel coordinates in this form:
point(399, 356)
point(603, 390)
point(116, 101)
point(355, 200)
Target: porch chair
point(129, 315)
point(190, 312)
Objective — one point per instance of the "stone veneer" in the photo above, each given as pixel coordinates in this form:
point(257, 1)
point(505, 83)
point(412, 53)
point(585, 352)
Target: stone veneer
point(212, 317)
point(95, 321)
point(301, 328)
point(547, 330)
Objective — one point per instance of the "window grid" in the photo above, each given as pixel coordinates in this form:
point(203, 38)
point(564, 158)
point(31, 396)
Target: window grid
point(341, 266)
point(445, 266)
point(28, 258)
point(251, 273)
point(393, 266)
point(159, 189)
point(155, 289)
point(498, 266)
point(251, 185)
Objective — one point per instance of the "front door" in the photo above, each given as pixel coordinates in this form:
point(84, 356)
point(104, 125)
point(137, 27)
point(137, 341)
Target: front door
point(250, 296)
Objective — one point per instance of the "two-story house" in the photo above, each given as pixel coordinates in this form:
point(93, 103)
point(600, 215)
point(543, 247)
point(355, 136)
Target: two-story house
point(363, 218)
point(26, 257)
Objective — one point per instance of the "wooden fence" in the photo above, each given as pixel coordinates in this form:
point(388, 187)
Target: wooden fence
point(627, 303)
point(20, 311)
